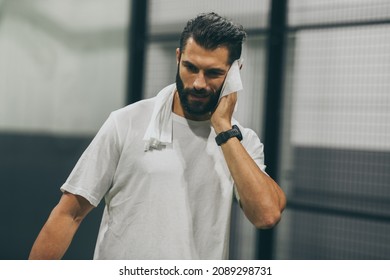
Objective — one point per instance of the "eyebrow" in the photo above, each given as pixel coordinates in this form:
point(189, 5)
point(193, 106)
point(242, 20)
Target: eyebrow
point(210, 70)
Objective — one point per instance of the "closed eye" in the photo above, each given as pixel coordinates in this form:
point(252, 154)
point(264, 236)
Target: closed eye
point(211, 73)
point(215, 73)
point(190, 67)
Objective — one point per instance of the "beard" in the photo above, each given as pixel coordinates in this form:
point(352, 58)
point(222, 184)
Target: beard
point(192, 107)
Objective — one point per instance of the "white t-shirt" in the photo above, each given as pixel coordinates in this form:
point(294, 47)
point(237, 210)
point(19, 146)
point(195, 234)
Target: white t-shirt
point(168, 203)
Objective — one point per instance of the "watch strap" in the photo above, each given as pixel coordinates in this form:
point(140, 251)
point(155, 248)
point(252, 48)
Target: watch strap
point(223, 137)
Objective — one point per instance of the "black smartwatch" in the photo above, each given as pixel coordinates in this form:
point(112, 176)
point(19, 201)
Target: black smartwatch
point(226, 135)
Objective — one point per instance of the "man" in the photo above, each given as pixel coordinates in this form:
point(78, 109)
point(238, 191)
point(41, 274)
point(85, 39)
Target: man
point(168, 166)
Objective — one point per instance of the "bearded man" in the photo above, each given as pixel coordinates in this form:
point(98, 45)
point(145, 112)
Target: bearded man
point(169, 167)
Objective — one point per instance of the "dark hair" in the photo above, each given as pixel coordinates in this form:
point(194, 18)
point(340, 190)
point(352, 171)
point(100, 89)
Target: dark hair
point(211, 31)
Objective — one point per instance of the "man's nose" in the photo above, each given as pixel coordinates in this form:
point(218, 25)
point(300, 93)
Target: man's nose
point(200, 81)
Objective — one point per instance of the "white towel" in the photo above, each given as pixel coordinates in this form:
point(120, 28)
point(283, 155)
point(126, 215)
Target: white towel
point(233, 81)
point(159, 130)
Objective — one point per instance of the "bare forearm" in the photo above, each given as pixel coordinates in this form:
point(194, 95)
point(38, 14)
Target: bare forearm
point(54, 238)
point(57, 234)
point(261, 198)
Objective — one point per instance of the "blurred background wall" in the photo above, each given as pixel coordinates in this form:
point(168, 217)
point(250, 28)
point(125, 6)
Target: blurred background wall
point(62, 71)
point(316, 90)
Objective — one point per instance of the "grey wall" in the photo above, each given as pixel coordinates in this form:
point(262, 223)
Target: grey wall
point(62, 71)
point(32, 168)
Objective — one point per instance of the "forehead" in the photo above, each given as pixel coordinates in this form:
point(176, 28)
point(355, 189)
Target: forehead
point(196, 54)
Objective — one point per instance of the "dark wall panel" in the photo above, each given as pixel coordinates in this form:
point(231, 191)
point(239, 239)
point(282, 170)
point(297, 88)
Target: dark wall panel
point(340, 204)
point(32, 169)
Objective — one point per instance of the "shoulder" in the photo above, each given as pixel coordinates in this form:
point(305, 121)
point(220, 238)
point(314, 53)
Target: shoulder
point(140, 112)
point(137, 112)
point(141, 107)
point(133, 117)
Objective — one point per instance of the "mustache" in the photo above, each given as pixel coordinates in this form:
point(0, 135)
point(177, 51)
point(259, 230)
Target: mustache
point(201, 92)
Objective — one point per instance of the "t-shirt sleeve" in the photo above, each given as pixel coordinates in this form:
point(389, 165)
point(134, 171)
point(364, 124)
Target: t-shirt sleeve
point(93, 174)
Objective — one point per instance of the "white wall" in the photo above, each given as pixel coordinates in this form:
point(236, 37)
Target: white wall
point(62, 64)
point(303, 12)
point(341, 88)
point(171, 15)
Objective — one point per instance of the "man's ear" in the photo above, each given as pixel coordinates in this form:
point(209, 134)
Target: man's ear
point(178, 55)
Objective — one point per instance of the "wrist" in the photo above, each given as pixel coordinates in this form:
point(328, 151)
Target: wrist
point(221, 127)
point(224, 136)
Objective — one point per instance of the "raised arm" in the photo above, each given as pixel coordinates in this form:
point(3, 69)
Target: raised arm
point(261, 198)
point(62, 224)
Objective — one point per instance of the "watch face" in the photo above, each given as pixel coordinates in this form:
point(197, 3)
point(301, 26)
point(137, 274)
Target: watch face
point(239, 135)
